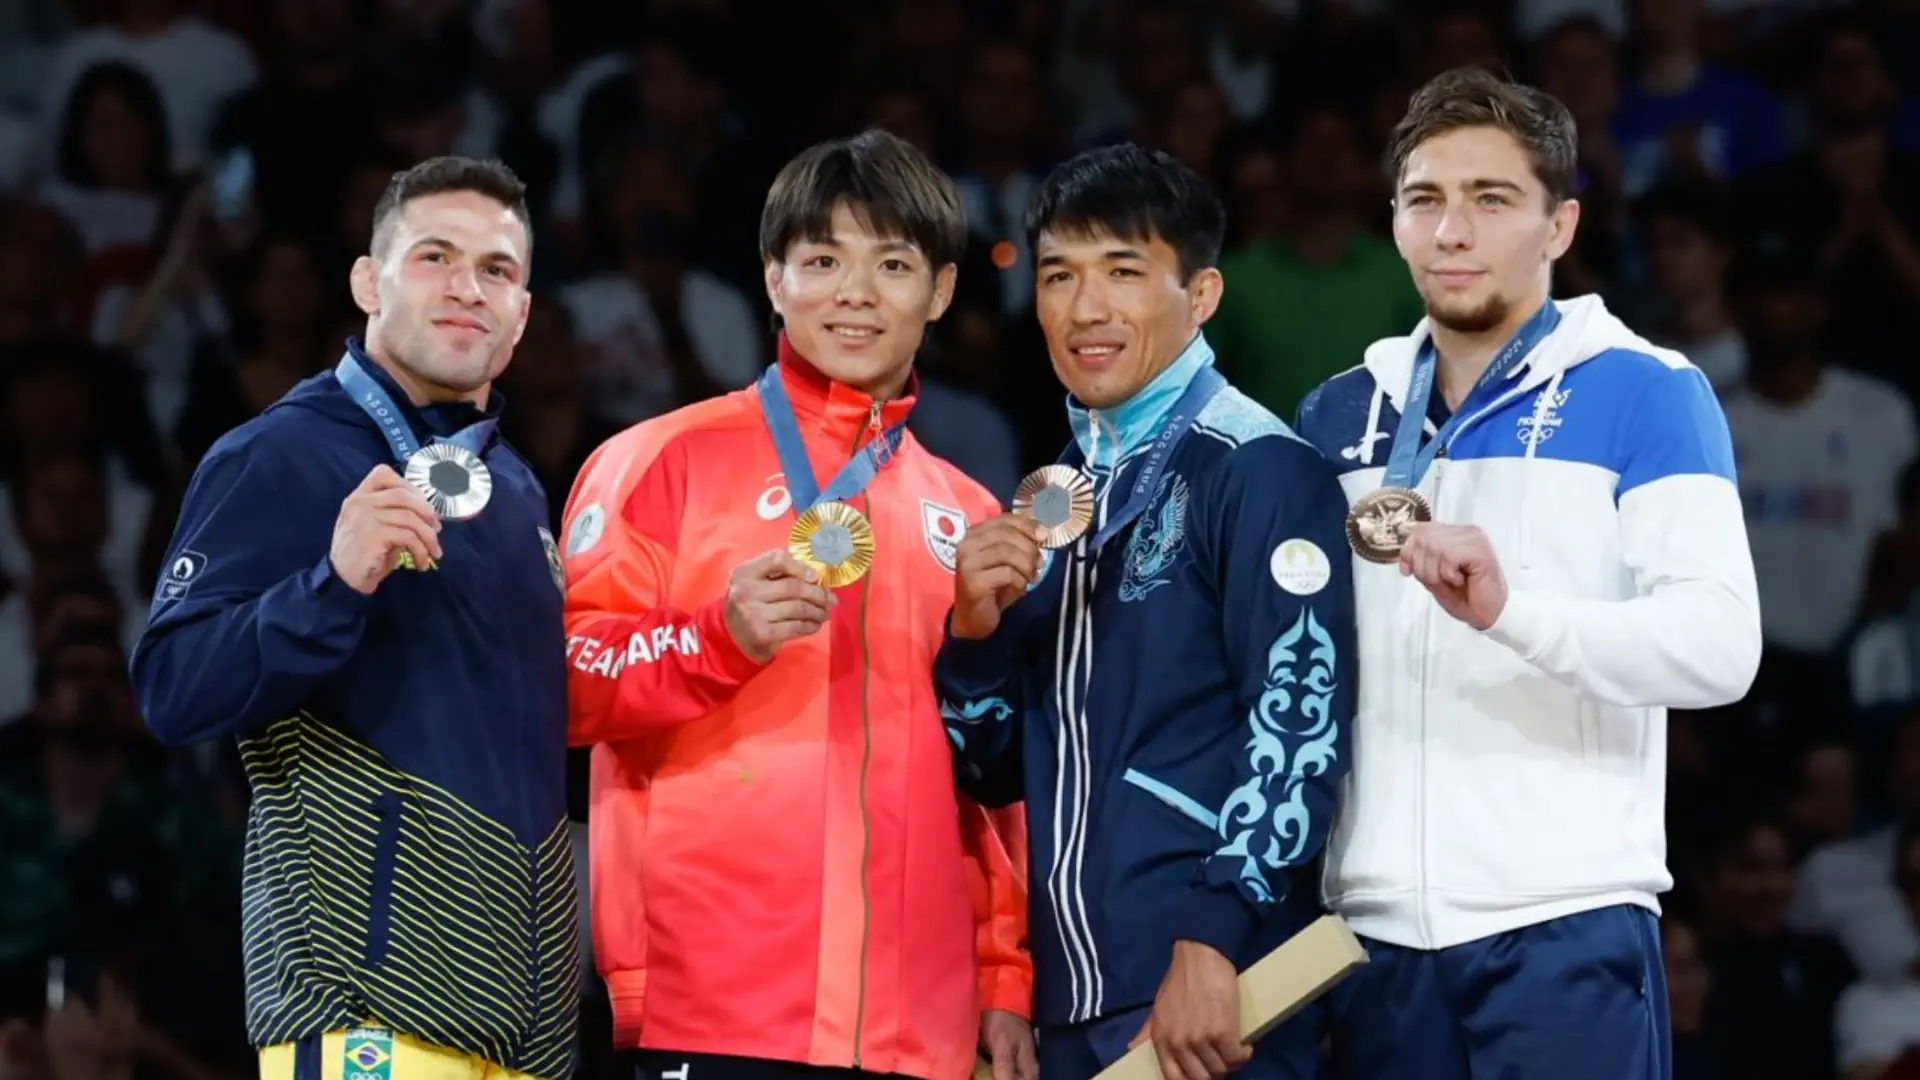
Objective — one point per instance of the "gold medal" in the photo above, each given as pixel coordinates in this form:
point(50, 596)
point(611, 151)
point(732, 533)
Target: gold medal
point(1377, 525)
point(835, 541)
point(1060, 498)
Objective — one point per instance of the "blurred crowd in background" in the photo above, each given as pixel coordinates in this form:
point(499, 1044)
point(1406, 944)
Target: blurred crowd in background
point(184, 184)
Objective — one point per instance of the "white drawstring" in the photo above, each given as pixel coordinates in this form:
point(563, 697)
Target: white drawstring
point(1373, 423)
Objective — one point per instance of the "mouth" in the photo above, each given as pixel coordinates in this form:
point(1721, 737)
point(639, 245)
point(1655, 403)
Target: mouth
point(1455, 276)
point(461, 322)
point(1095, 353)
point(853, 332)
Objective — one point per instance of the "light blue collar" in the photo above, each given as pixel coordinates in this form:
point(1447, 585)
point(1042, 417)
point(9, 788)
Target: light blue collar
point(1107, 436)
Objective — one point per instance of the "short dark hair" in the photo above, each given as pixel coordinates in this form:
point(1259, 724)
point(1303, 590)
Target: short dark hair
point(1132, 194)
point(883, 180)
point(1473, 97)
point(441, 175)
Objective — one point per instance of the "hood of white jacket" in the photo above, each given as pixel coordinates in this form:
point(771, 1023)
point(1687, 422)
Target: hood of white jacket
point(1586, 330)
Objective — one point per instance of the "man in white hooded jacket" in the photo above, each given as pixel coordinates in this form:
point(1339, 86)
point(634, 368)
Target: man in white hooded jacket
point(1549, 554)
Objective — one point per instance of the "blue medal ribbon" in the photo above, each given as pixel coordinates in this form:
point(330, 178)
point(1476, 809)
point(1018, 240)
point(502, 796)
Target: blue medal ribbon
point(1206, 383)
point(852, 478)
point(1409, 461)
point(374, 400)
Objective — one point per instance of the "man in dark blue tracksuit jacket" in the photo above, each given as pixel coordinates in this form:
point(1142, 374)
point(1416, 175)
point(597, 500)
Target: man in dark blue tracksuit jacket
point(1171, 693)
point(408, 883)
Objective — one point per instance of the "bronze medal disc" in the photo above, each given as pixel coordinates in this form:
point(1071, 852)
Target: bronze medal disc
point(1377, 525)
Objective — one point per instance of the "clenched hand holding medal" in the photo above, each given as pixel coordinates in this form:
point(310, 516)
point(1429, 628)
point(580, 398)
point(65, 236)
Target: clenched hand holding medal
point(447, 472)
point(1381, 521)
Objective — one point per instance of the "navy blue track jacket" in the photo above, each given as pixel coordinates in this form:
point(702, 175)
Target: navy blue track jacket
point(1175, 710)
point(407, 851)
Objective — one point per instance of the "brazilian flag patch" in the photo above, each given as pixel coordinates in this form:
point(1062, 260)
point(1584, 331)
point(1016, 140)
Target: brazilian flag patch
point(369, 1054)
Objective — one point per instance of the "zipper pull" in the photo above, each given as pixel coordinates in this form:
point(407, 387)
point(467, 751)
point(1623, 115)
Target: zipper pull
point(873, 417)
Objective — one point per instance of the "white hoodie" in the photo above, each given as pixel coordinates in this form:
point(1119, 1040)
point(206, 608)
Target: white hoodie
point(1504, 778)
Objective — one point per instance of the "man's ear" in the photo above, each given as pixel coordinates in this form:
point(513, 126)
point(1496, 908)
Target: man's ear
point(364, 282)
point(774, 269)
point(526, 312)
point(943, 282)
point(1204, 293)
point(1566, 223)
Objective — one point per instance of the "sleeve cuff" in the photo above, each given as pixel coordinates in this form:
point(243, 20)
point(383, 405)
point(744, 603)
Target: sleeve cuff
point(973, 666)
point(1008, 988)
point(1523, 624)
point(734, 663)
point(335, 595)
point(1218, 917)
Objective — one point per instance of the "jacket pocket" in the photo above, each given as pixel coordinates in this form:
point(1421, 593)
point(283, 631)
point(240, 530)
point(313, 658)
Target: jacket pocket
point(386, 844)
point(1180, 802)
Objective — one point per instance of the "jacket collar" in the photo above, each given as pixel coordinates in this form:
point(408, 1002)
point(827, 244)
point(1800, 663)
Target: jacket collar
point(443, 418)
point(1107, 436)
point(834, 411)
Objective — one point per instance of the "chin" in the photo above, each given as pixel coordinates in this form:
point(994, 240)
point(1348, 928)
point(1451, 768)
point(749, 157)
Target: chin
point(856, 367)
point(1465, 316)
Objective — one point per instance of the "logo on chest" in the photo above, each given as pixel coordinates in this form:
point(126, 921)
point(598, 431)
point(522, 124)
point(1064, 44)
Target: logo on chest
point(1156, 541)
point(1539, 425)
point(944, 527)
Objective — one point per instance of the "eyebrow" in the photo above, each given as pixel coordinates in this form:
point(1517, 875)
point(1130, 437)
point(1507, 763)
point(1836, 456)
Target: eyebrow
point(444, 244)
point(1110, 255)
point(1485, 183)
point(887, 247)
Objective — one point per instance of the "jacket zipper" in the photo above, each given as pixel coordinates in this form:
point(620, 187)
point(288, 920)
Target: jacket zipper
point(866, 758)
point(1426, 688)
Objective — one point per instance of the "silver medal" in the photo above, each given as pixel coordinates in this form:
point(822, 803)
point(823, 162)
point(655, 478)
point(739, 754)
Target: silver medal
point(453, 480)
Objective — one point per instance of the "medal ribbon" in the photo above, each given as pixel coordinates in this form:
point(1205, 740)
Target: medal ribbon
point(374, 400)
point(1409, 460)
point(852, 478)
point(1206, 383)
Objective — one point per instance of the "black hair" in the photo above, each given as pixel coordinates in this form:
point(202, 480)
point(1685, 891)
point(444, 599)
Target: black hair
point(441, 175)
point(883, 180)
point(1133, 194)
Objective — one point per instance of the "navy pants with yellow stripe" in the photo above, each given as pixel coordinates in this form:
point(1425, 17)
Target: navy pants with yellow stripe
point(374, 1053)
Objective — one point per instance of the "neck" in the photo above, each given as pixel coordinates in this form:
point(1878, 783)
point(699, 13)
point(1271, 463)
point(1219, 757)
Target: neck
point(890, 387)
point(422, 391)
point(1464, 356)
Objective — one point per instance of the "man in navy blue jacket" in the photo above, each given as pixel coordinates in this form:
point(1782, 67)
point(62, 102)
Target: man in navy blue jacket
point(1171, 691)
point(362, 589)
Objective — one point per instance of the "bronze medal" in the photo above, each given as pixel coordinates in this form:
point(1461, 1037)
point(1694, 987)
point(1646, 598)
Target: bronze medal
point(1377, 525)
point(1060, 498)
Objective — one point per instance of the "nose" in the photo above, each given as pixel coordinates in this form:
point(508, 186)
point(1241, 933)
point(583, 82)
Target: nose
point(1454, 231)
point(463, 284)
point(1089, 307)
point(855, 288)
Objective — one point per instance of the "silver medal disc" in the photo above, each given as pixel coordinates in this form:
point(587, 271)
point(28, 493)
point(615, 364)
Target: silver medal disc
point(453, 480)
point(833, 544)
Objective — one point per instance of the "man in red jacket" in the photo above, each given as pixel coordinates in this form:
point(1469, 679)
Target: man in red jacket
point(784, 879)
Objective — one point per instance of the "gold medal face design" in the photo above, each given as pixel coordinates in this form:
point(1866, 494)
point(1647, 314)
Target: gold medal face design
point(835, 541)
point(1060, 498)
point(453, 480)
point(1377, 525)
